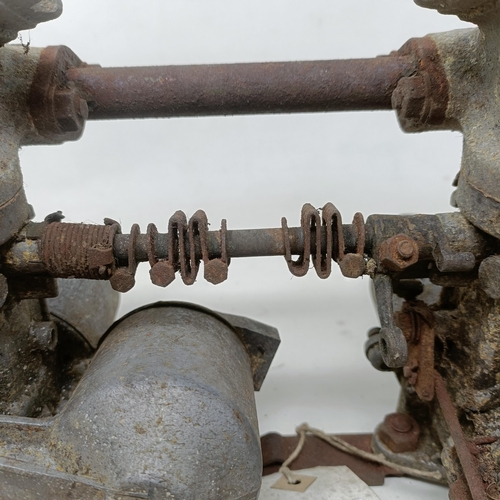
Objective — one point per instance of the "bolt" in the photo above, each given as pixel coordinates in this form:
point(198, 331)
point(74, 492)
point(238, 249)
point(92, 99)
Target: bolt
point(122, 280)
point(215, 271)
point(398, 253)
point(70, 110)
point(408, 98)
point(401, 422)
point(352, 265)
point(405, 250)
point(162, 273)
point(399, 432)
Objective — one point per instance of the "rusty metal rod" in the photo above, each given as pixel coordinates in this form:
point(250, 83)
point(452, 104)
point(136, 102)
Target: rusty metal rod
point(467, 460)
point(240, 243)
point(25, 257)
point(236, 89)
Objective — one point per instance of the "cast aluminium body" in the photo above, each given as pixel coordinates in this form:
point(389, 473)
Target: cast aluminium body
point(156, 415)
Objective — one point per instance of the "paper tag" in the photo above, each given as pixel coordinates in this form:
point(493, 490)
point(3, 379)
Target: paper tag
point(304, 483)
point(328, 483)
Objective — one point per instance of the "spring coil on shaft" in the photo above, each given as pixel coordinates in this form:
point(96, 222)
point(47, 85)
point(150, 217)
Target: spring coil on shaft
point(87, 251)
point(79, 250)
point(351, 265)
point(187, 260)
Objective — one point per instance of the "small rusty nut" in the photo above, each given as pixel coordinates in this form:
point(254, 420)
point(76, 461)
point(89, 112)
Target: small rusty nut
point(399, 432)
point(216, 271)
point(162, 274)
point(352, 265)
point(71, 111)
point(398, 253)
point(122, 280)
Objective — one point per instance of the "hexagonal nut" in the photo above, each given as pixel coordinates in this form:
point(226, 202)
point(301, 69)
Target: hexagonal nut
point(398, 253)
point(215, 271)
point(122, 280)
point(70, 110)
point(409, 96)
point(162, 274)
point(352, 265)
point(261, 342)
point(399, 432)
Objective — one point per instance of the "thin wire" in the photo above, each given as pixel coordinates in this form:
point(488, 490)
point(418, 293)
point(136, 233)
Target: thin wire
point(339, 443)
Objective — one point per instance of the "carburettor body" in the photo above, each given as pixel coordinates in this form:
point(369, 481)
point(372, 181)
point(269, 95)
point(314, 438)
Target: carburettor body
point(161, 402)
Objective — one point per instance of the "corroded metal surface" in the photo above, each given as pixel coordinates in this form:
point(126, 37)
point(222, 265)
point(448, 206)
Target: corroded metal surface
point(102, 252)
point(468, 462)
point(277, 448)
point(201, 90)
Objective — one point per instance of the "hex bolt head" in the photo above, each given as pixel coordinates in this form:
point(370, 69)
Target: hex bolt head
point(216, 271)
point(352, 265)
point(122, 280)
point(399, 252)
point(408, 98)
point(70, 110)
point(162, 274)
point(399, 432)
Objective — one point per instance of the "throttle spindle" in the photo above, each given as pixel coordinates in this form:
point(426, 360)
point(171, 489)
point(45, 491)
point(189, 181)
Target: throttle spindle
point(102, 252)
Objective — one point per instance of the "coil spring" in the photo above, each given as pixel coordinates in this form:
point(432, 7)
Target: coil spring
point(180, 258)
point(351, 265)
point(86, 251)
point(79, 250)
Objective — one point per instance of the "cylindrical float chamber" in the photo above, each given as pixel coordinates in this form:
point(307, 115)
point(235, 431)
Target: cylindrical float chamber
point(167, 406)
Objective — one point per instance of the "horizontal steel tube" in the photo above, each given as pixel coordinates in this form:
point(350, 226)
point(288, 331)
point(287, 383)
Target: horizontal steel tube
point(235, 89)
point(240, 243)
point(25, 257)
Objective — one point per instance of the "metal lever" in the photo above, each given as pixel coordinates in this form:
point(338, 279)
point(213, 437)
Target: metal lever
point(393, 345)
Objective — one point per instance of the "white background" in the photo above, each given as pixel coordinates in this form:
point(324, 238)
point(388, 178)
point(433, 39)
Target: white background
point(253, 171)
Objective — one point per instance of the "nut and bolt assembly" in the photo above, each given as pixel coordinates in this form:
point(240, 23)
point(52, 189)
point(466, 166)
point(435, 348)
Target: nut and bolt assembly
point(399, 432)
point(399, 252)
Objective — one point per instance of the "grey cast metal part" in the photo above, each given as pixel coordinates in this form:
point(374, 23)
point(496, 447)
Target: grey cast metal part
point(165, 410)
point(469, 59)
point(85, 307)
point(19, 15)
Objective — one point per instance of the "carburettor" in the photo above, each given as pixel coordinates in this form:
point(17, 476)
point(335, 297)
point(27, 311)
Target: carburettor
point(70, 378)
